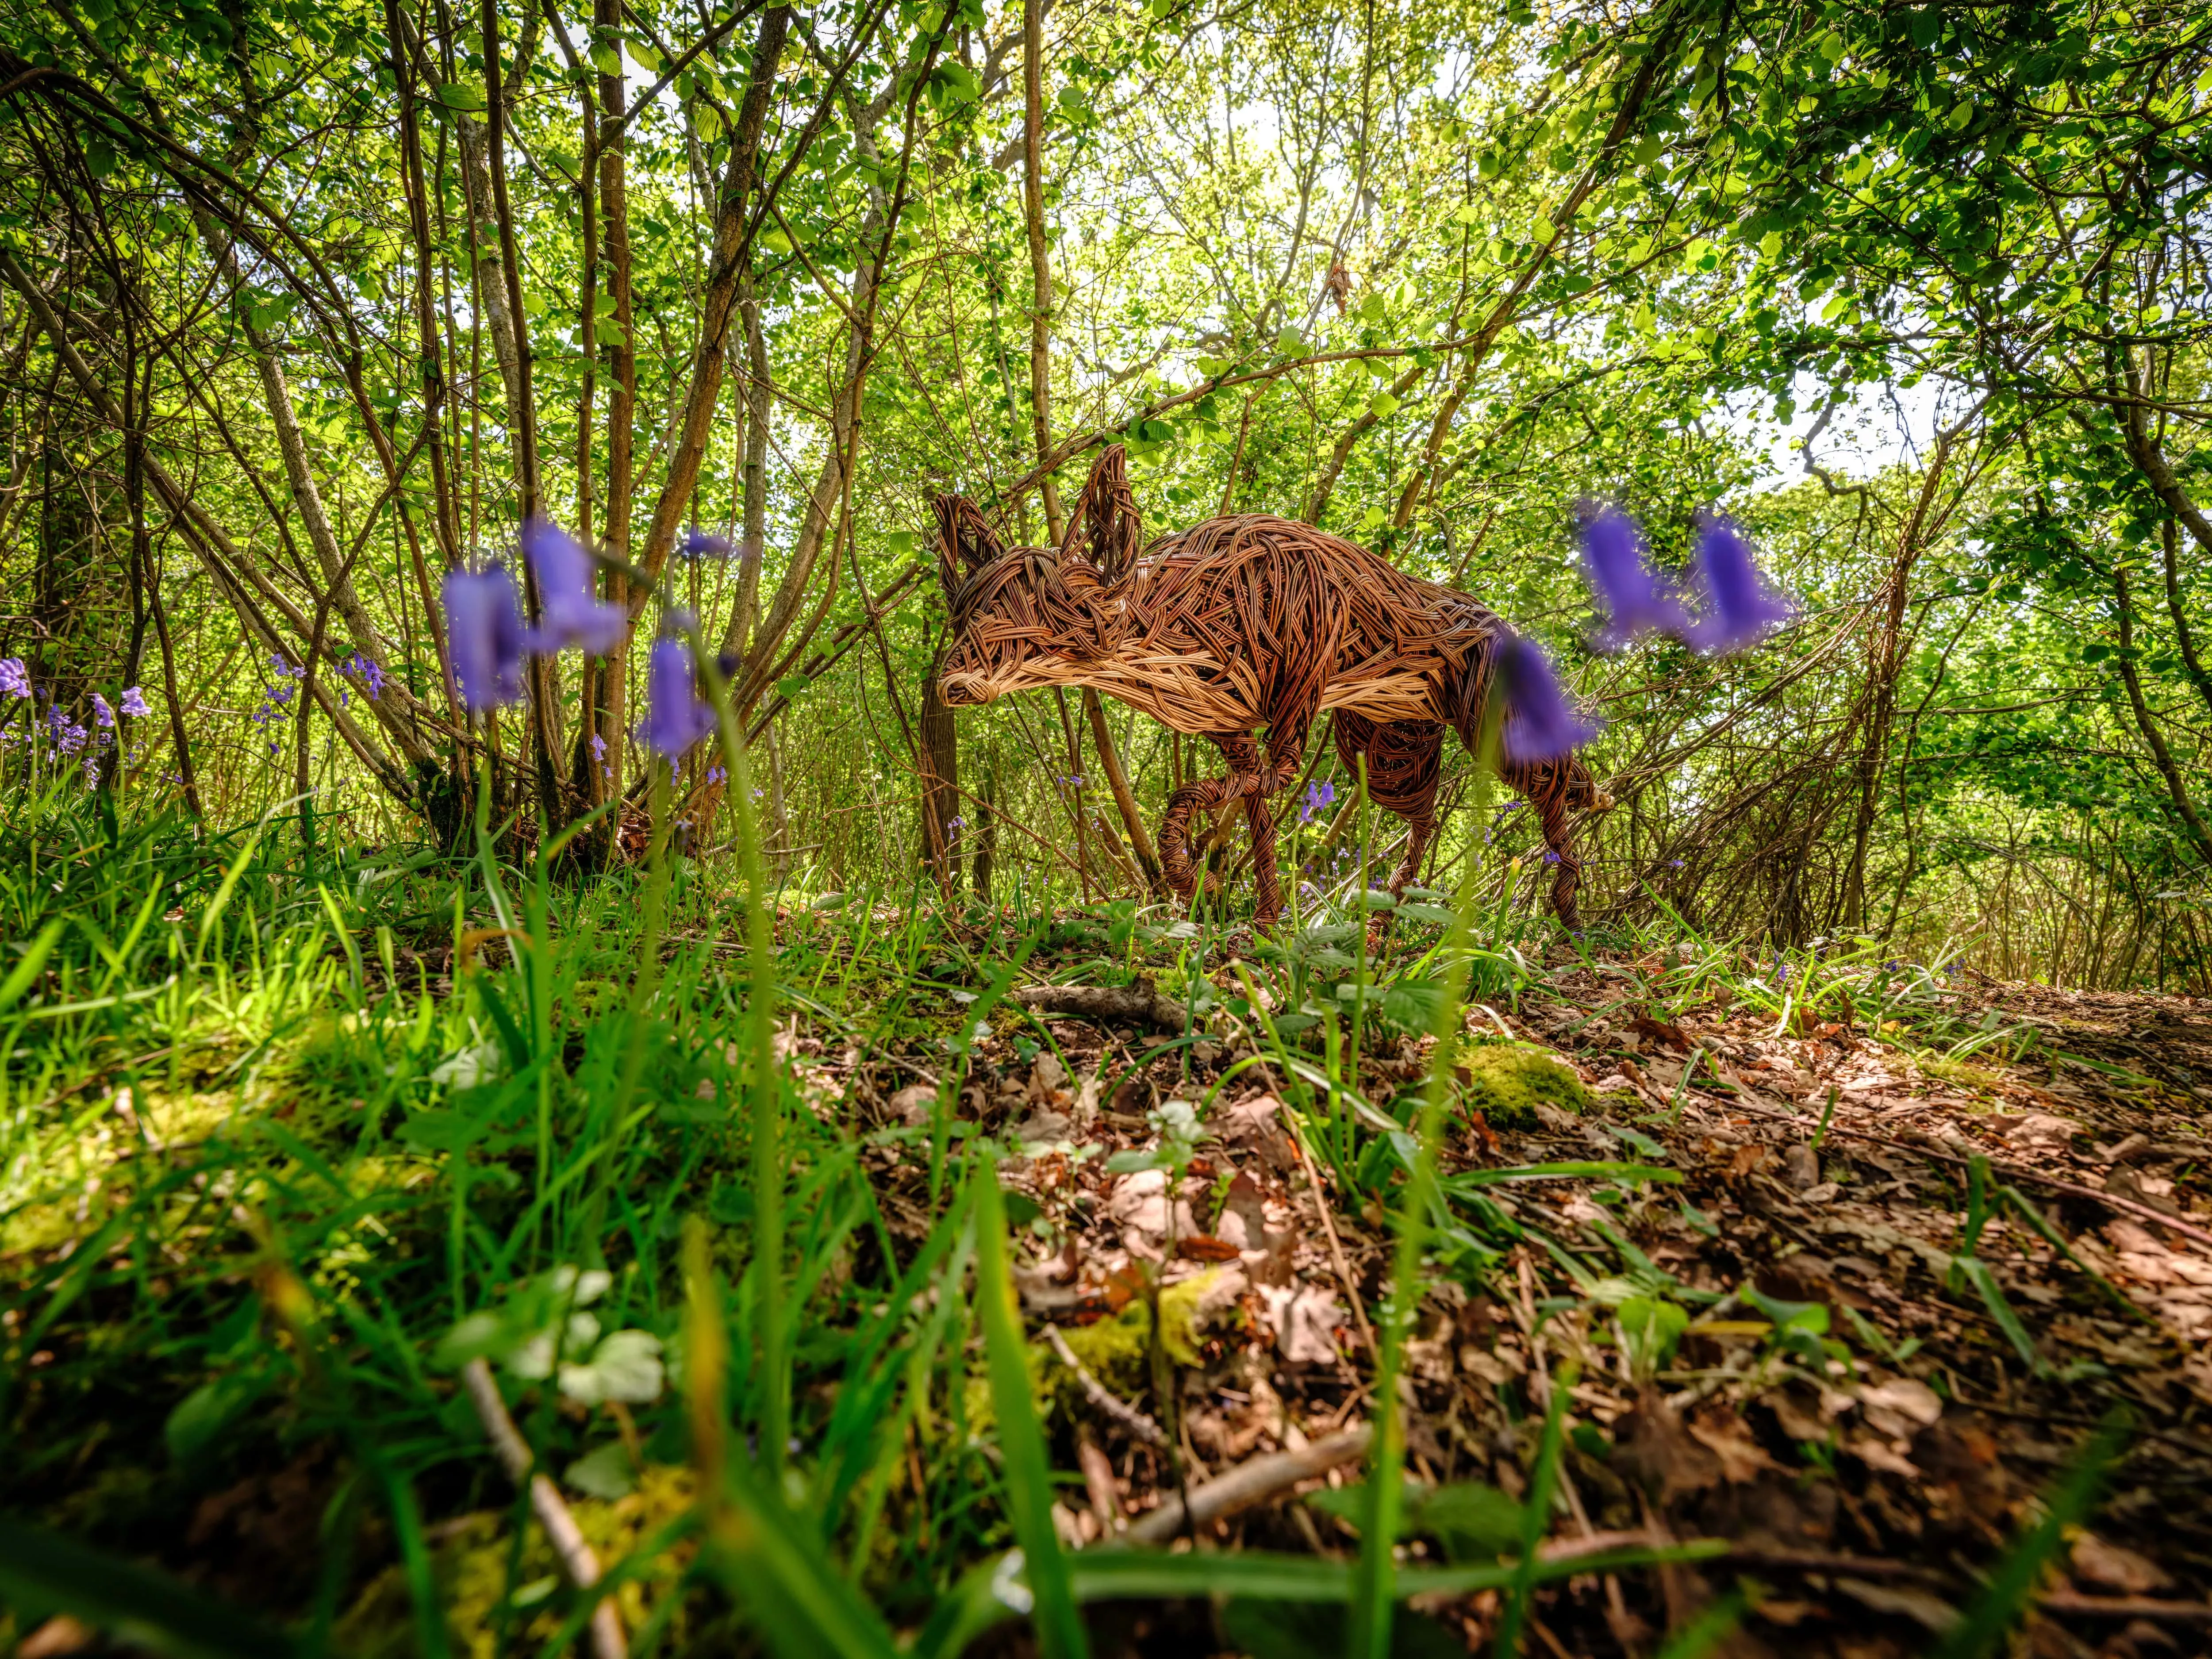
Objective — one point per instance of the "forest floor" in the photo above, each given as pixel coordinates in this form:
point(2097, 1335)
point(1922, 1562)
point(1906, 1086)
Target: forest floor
point(1824, 1184)
point(1848, 1305)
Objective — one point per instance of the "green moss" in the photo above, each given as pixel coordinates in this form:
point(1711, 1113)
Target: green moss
point(1959, 1073)
point(1116, 1350)
point(471, 1566)
point(1506, 1083)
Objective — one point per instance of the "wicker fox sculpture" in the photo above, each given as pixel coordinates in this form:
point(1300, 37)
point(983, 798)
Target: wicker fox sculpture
point(1236, 624)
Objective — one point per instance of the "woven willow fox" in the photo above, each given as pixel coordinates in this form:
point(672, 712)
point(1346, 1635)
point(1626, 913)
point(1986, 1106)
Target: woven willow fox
point(1236, 624)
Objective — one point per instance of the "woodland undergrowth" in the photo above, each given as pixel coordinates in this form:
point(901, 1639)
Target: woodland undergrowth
point(825, 1291)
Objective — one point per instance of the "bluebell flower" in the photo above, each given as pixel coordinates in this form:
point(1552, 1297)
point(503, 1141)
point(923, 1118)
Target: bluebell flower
point(1319, 796)
point(1741, 608)
point(676, 719)
point(1674, 864)
point(698, 544)
point(1636, 599)
point(570, 612)
point(483, 627)
point(365, 669)
point(102, 714)
point(134, 702)
point(14, 678)
point(1539, 723)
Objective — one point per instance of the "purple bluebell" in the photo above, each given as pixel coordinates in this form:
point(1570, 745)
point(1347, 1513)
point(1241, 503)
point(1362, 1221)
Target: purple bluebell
point(677, 718)
point(368, 671)
point(1539, 723)
point(570, 612)
point(103, 714)
point(134, 702)
point(1319, 798)
point(1636, 597)
point(484, 626)
point(14, 678)
point(698, 544)
point(1740, 607)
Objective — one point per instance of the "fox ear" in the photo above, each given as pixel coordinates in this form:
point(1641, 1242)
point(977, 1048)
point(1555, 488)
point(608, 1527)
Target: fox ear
point(965, 541)
point(1106, 524)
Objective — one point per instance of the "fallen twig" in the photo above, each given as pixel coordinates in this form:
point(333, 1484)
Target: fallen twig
point(1254, 1481)
point(1125, 1005)
point(1335, 1245)
point(577, 1557)
point(2126, 1606)
point(1103, 1398)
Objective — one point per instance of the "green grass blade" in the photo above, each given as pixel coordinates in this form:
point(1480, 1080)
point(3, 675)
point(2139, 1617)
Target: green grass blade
point(143, 1608)
point(2066, 1506)
point(26, 971)
point(1029, 1477)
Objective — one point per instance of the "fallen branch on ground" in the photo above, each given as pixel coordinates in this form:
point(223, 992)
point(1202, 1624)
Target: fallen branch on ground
point(1253, 1482)
point(1112, 1005)
point(577, 1557)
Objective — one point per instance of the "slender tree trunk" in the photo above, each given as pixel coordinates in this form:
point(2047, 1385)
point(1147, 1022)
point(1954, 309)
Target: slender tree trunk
point(1040, 260)
point(612, 703)
point(939, 753)
point(1883, 663)
point(986, 825)
point(2168, 538)
point(2162, 756)
point(1109, 759)
point(522, 413)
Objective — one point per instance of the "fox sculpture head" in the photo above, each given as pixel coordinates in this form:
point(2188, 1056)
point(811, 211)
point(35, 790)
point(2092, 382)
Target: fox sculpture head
point(1025, 616)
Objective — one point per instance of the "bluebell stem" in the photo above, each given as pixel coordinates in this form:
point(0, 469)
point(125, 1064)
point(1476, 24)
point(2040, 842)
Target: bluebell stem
point(14, 678)
point(570, 613)
point(1539, 723)
point(1741, 609)
point(134, 702)
point(677, 718)
point(483, 627)
point(1636, 599)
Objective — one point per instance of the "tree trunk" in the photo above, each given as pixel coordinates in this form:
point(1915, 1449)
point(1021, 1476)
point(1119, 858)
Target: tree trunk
point(1883, 663)
point(986, 825)
point(939, 753)
point(2162, 756)
point(610, 703)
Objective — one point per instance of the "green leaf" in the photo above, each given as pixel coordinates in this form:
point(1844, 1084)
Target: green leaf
point(197, 1420)
point(461, 95)
point(792, 686)
point(442, 1131)
point(1652, 1327)
point(606, 59)
point(605, 1473)
point(1384, 404)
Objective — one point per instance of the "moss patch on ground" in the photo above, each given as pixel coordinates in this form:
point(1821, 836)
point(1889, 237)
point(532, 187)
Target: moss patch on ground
point(1506, 1082)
